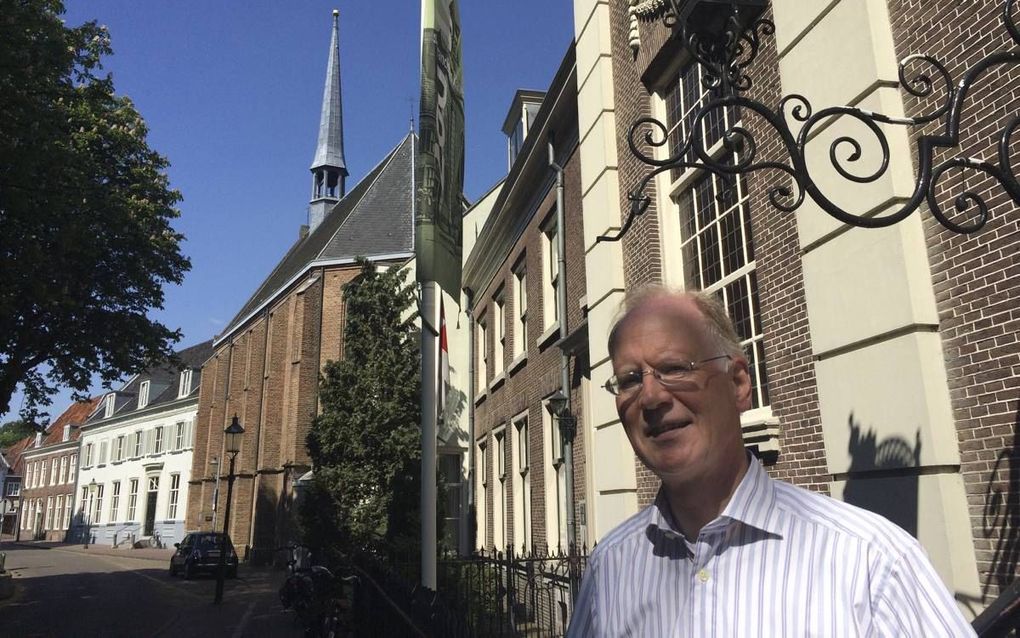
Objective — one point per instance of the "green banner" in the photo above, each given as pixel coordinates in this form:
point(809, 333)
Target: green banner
point(439, 172)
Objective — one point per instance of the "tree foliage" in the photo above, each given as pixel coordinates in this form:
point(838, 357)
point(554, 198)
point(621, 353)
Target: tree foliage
point(86, 244)
point(13, 431)
point(365, 445)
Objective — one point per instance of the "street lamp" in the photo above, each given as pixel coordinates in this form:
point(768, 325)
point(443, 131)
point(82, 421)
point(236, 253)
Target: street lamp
point(724, 37)
point(564, 417)
point(232, 445)
point(87, 512)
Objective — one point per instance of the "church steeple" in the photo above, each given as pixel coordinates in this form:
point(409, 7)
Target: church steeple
point(329, 169)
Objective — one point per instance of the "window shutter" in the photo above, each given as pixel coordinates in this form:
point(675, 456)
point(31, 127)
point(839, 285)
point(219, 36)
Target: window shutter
point(150, 441)
point(189, 433)
point(102, 452)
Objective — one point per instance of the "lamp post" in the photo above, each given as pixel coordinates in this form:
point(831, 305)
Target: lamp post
point(232, 445)
point(88, 511)
point(216, 492)
point(559, 407)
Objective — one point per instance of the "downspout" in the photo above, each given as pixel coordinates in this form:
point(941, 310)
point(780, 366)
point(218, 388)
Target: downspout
point(472, 472)
point(561, 311)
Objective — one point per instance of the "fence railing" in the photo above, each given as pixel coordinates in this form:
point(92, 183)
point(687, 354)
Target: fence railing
point(501, 594)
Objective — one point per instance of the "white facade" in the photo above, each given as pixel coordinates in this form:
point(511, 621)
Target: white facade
point(133, 475)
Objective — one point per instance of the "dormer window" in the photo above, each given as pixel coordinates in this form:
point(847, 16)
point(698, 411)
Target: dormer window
point(66, 433)
point(185, 388)
point(520, 120)
point(38, 439)
point(108, 403)
point(143, 394)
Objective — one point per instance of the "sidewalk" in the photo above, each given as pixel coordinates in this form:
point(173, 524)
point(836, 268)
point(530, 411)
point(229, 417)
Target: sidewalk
point(147, 553)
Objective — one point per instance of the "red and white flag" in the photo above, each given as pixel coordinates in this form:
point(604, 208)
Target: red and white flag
point(444, 360)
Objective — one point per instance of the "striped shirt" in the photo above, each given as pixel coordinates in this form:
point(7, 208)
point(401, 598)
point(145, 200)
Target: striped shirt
point(779, 561)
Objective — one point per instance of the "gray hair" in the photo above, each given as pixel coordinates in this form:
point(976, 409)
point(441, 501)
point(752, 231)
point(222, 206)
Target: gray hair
point(718, 325)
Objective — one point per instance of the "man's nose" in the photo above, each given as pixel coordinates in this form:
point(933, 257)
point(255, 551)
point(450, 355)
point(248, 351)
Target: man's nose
point(653, 393)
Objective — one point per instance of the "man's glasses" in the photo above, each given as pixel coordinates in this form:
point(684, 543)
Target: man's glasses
point(671, 376)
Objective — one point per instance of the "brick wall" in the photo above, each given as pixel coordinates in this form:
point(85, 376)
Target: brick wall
point(267, 374)
point(976, 277)
point(790, 364)
point(526, 386)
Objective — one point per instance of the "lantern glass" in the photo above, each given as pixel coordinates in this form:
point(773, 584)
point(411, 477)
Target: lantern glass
point(233, 435)
point(557, 403)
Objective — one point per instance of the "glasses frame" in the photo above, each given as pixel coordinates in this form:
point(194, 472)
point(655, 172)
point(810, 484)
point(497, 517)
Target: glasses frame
point(613, 381)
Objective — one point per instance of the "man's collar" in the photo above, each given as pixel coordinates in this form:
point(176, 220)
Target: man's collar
point(753, 503)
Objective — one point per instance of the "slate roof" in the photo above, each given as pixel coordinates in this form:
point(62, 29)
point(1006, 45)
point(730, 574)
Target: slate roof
point(164, 383)
point(330, 149)
point(374, 219)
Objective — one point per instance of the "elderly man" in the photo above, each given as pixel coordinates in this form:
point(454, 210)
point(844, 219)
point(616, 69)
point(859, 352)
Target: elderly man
point(725, 550)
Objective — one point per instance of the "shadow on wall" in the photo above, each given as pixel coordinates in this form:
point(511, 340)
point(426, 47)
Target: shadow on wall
point(1000, 520)
point(877, 480)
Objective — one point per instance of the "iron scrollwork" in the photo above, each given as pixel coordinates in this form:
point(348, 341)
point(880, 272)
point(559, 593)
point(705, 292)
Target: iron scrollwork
point(725, 58)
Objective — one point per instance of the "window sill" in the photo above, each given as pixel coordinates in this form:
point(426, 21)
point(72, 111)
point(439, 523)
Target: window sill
point(481, 396)
point(760, 431)
point(549, 336)
point(518, 363)
point(498, 381)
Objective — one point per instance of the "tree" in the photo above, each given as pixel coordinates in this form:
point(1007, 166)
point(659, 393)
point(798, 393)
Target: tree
point(365, 445)
point(85, 208)
point(13, 431)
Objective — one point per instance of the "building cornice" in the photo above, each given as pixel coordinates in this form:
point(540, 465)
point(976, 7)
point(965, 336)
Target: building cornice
point(158, 411)
point(281, 291)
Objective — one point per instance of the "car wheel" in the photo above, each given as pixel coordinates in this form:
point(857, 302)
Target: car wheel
point(189, 571)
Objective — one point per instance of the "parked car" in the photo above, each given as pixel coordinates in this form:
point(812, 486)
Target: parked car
point(200, 551)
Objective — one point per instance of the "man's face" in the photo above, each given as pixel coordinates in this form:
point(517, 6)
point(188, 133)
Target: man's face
point(686, 434)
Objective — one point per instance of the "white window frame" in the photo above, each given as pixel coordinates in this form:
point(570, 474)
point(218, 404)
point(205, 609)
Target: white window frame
point(72, 468)
point(137, 445)
point(62, 478)
point(521, 484)
point(520, 301)
point(550, 273)
point(109, 402)
point(184, 389)
point(499, 536)
point(67, 512)
point(114, 501)
point(481, 485)
point(87, 459)
point(158, 443)
point(41, 474)
point(555, 483)
point(48, 521)
point(175, 487)
point(499, 336)
point(482, 356)
point(98, 504)
point(54, 471)
point(179, 434)
point(132, 507)
point(143, 393)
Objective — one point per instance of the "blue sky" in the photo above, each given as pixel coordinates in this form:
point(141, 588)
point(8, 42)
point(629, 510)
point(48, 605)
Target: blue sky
point(231, 92)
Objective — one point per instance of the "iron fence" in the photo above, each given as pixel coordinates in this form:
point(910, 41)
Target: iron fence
point(498, 594)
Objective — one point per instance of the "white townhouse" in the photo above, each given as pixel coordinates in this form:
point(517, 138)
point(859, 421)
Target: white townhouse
point(135, 457)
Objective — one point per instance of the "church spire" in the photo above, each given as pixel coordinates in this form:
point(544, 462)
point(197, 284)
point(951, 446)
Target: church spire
point(329, 169)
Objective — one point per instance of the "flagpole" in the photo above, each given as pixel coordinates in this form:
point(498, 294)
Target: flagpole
point(429, 413)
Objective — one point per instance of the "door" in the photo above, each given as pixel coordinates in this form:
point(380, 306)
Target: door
point(150, 505)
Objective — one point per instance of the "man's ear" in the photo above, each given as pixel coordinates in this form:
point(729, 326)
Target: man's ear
point(741, 383)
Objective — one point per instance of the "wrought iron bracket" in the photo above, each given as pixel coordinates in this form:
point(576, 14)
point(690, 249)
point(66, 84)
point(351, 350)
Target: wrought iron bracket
point(725, 58)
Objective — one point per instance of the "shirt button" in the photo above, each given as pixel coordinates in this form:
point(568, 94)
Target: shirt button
point(703, 575)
